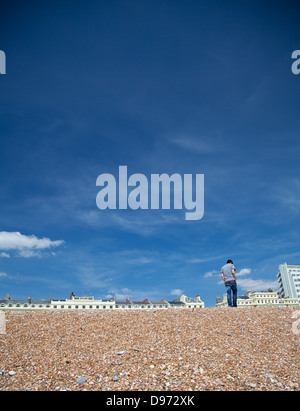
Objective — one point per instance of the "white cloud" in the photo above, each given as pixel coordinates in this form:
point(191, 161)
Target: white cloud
point(122, 295)
point(133, 295)
point(217, 274)
point(212, 273)
point(2, 275)
point(4, 255)
point(176, 291)
point(26, 246)
point(246, 283)
point(29, 253)
point(257, 285)
point(244, 271)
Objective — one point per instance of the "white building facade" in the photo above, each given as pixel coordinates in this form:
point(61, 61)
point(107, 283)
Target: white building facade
point(259, 299)
point(90, 303)
point(289, 281)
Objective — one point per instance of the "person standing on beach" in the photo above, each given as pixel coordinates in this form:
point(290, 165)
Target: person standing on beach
point(229, 278)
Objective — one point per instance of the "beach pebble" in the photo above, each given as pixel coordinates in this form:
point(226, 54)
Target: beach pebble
point(81, 380)
point(216, 349)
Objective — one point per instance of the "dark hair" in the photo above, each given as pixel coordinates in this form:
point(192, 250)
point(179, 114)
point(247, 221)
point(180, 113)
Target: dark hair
point(229, 262)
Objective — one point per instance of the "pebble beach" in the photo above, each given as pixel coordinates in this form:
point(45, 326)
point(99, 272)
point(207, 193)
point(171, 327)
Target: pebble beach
point(211, 349)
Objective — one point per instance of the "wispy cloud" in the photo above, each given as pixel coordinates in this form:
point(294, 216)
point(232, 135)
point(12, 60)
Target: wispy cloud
point(288, 195)
point(198, 145)
point(144, 223)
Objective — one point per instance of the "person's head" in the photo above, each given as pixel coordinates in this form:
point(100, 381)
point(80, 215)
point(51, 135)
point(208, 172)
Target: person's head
point(229, 262)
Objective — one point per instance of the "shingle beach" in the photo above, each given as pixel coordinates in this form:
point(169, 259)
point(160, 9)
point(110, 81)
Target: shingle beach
point(175, 350)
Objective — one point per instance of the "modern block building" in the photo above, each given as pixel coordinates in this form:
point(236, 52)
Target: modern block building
point(289, 281)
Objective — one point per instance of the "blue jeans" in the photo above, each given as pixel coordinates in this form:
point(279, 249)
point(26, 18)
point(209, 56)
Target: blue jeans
point(231, 288)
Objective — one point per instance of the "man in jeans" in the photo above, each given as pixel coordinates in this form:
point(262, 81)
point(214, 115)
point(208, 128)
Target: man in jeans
point(229, 278)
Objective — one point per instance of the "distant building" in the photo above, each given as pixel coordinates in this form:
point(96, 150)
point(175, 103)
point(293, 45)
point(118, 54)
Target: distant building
point(89, 303)
point(161, 304)
point(259, 299)
point(289, 281)
point(189, 302)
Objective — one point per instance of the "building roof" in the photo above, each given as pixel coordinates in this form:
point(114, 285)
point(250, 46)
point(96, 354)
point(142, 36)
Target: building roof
point(23, 301)
point(12, 301)
point(159, 302)
point(123, 302)
point(40, 301)
point(176, 303)
point(141, 302)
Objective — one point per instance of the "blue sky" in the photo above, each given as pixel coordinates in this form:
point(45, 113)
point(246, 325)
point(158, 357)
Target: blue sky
point(199, 87)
